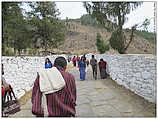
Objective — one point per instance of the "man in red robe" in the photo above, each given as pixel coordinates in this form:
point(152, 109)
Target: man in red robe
point(102, 68)
point(61, 103)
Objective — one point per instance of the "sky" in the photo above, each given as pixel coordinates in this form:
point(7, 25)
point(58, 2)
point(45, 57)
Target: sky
point(76, 10)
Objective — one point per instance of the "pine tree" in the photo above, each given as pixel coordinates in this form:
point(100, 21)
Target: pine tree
point(115, 15)
point(46, 25)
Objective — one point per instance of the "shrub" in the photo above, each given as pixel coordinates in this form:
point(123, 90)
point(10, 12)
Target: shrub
point(102, 46)
point(117, 41)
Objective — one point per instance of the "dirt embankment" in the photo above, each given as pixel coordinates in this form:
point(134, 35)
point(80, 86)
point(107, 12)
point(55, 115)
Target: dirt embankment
point(81, 39)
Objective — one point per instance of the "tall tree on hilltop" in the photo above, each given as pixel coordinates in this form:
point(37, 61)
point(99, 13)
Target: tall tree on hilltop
point(46, 25)
point(113, 13)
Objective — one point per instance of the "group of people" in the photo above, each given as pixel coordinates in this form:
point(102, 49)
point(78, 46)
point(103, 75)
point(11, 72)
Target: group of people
point(77, 59)
point(93, 62)
point(62, 103)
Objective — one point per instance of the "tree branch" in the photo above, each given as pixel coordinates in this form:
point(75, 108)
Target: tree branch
point(131, 37)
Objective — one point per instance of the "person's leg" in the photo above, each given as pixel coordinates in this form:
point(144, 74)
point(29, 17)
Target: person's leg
point(81, 74)
point(84, 74)
point(93, 70)
point(106, 75)
point(102, 73)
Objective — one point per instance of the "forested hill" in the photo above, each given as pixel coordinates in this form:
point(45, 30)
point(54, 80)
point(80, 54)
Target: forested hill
point(81, 37)
point(40, 31)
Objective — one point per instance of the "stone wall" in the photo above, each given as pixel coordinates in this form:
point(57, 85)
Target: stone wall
point(135, 72)
point(21, 72)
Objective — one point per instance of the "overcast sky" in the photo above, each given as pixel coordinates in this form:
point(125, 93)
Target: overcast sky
point(76, 10)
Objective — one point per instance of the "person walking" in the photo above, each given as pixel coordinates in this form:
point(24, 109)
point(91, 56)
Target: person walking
point(74, 61)
point(60, 103)
point(87, 62)
point(48, 63)
point(93, 63)
point(77, 60)
point(82, 68)
point(84, 56)
point(102, 68)
point(69, 58)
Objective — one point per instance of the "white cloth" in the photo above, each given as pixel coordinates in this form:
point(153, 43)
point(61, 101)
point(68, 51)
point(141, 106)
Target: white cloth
point(86, 70)
point(51, 80)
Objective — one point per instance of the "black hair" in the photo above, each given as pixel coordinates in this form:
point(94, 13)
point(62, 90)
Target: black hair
point(82, 58)
point(60, 61)
point(101, 60)
point(48, 60)
point(92, 56)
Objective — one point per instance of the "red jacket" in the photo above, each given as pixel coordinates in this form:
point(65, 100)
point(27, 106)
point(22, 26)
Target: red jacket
point(74, 59)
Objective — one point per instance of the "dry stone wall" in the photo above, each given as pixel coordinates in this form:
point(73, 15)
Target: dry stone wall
point(21, 72)
point(135, 72)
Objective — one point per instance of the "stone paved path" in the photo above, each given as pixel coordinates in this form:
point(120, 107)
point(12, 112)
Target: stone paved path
point(103, 98)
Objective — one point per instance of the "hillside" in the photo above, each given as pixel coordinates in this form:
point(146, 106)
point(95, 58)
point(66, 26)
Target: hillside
point(82, 38)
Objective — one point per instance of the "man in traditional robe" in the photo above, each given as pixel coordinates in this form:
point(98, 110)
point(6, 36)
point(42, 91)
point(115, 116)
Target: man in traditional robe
point(61, 103)
point(102, 68)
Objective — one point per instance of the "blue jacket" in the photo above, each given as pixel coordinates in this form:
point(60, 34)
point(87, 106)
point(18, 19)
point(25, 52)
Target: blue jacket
point(48, 65)
point(82, 64)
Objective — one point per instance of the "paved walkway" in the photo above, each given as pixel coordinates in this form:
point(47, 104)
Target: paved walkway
point(103, 98)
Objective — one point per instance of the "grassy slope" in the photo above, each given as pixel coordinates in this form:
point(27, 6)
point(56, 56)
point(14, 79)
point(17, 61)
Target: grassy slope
point(144, 34)
point(147, 35)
